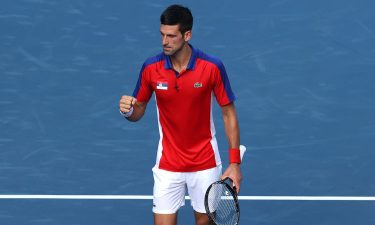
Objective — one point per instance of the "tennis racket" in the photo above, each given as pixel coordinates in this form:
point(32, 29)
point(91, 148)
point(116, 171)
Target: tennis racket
point(221, 203)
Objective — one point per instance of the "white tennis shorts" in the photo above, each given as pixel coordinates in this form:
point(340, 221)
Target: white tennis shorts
point(170, 189)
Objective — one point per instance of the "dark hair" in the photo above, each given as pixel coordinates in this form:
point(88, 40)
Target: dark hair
point(178, 15)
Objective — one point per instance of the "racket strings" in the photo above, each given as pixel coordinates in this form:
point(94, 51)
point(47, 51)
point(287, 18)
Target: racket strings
point(222, 205)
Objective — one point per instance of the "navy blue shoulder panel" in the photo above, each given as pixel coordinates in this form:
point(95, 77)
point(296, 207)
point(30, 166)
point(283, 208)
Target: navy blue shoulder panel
point(148, 62)
point(222, 70)
point(153, 60)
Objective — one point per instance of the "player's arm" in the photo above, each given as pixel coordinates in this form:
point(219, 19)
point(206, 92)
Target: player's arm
point(233, 135)
point(131, 108)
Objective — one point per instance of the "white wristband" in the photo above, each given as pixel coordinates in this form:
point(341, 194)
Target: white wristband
point(128, 114)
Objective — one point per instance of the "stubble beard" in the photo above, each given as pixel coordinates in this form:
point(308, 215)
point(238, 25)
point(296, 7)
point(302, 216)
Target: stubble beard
point(173, 52)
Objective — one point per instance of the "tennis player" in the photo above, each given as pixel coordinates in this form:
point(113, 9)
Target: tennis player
point(186, 82)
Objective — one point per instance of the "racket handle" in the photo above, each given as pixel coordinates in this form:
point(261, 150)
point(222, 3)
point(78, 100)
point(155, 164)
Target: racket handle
point(228, 180)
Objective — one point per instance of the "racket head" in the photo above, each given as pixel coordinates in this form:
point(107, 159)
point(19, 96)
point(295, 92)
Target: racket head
point(221, 203)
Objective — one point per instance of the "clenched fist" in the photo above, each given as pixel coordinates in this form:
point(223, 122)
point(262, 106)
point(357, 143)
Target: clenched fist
point(126, 102)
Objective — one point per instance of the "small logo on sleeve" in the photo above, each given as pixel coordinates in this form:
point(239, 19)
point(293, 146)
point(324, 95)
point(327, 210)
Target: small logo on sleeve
point(162, 85)
point(198, 85)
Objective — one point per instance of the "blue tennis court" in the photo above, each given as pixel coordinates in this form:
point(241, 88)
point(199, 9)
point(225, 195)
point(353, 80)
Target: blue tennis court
point(302, 71)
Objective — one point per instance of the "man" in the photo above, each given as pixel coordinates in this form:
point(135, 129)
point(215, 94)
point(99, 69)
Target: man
point(185, 80)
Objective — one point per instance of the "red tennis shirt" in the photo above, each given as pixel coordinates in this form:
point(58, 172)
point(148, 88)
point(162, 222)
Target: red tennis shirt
point(184, 109)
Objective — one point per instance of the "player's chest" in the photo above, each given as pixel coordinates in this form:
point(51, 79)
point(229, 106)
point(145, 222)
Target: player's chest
point(188, 83)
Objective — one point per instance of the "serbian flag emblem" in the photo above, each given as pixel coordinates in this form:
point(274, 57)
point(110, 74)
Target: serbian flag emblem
point(162, 85)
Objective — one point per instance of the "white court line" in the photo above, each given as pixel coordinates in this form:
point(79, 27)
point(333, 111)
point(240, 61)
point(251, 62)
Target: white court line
point(147, 197)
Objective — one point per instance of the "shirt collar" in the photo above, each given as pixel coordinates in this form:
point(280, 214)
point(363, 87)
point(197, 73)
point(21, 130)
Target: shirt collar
point(192, 60)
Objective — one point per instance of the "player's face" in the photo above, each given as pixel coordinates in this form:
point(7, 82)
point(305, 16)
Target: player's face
point(172, 39)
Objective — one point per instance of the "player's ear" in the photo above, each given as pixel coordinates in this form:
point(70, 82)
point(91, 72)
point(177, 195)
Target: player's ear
point(187, 35)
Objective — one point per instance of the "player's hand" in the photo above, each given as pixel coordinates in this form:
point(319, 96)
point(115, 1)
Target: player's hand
point(126, 102)
point(234, 173)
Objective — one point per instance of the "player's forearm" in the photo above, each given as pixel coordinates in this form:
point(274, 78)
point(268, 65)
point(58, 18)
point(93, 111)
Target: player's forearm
point(231, 126)
point(234, 143)
point(232, 132)
point(138, 112)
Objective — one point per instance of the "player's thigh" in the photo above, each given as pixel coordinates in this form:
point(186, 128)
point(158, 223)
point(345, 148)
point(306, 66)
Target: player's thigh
point(198, 182)
point(169, 191)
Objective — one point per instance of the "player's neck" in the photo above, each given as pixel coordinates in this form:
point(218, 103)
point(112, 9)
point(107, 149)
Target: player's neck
point(181, 59)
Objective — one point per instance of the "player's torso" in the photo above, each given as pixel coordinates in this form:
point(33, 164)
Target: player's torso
point(184, 102)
